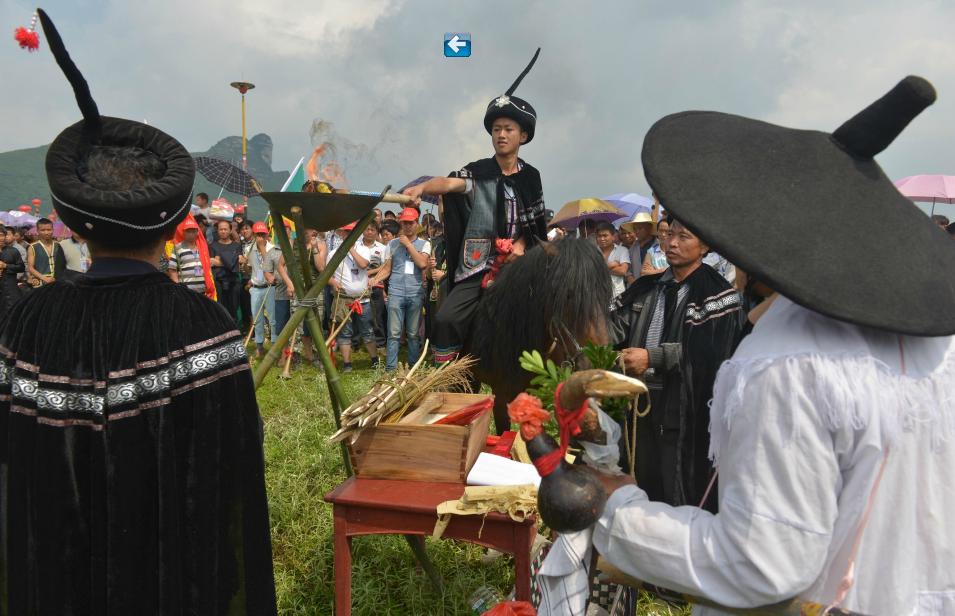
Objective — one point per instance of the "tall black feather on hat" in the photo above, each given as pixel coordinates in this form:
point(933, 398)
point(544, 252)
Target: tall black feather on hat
point(121, 218)
point(517, 109)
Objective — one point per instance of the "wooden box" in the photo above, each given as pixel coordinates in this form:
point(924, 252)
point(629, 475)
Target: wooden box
point(414, 450)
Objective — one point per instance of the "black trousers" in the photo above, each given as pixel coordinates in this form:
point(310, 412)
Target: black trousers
point(227, 290)
point(245, 303)
point(379, 315)
point(452, 323)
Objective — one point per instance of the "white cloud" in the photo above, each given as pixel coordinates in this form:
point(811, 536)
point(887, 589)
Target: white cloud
point(374, 68)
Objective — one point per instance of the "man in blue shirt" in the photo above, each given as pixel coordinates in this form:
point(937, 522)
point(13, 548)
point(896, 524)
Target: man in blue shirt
point(405, 260)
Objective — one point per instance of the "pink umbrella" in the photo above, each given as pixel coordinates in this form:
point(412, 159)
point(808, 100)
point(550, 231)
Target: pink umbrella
point(928, 188)
point(60, 231)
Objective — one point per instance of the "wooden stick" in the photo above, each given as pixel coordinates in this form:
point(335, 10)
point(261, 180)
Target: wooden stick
point(286, 374)
point(336, 330)
point(386, 198)
point(396, 198)
point(255, 320)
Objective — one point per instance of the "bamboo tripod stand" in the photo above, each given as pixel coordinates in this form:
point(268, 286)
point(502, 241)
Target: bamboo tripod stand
point(309, 290)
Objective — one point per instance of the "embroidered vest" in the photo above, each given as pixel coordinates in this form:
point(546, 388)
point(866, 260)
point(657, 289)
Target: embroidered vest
point(480, 233)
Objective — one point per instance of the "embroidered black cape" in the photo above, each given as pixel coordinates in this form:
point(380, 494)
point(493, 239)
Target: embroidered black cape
point(131, 463)
point(530, 204)
point(708, 328)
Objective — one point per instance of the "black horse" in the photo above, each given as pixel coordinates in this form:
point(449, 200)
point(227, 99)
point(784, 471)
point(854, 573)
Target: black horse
point(553, 299)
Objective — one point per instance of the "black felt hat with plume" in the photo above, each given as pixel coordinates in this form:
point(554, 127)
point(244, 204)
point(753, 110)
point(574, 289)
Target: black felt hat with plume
point(509, 106)
point(113, 217)
point(811, 213)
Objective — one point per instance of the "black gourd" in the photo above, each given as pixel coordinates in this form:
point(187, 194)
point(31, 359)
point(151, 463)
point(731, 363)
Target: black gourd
point(570, 498)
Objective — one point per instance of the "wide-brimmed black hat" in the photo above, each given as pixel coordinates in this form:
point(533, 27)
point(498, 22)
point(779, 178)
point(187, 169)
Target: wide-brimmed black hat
point(117, 218)
point(517, 109)
point(811, 213)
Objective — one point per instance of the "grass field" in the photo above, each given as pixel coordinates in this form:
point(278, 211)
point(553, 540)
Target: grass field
point(300, 468)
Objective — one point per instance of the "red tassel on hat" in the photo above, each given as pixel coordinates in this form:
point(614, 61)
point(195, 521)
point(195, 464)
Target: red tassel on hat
point(27, 37)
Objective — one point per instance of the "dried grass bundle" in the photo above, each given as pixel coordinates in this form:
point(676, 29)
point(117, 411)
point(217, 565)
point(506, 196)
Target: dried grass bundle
point(389, 399)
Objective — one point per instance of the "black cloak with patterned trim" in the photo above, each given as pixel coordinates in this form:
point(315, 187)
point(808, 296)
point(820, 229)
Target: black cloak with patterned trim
point(708, 326)
point(131, 464)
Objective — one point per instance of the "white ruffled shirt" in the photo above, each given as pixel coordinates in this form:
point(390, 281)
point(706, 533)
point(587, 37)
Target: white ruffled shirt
point(801, 418)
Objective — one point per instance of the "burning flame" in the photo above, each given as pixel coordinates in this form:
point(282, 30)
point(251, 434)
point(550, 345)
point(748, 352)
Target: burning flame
point(330, 173)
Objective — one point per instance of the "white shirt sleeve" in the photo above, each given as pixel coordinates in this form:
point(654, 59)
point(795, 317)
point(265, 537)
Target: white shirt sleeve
point(364, 251)
point(426, 249)
point(621, 255)
point(779, 479)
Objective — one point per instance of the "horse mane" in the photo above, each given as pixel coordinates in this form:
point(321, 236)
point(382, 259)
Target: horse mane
point(564, 284)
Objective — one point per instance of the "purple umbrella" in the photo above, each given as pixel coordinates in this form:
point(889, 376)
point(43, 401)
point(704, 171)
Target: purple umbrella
point(630, 203)
point(16, 218)
point(421, 180)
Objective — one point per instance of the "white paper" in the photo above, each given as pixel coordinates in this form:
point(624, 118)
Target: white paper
point(492, 470)
point(409, 267)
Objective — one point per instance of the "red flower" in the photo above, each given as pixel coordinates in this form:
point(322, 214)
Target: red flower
point(528, 411)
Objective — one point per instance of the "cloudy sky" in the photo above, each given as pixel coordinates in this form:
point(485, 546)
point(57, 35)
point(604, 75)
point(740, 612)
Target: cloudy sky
point(375, 70)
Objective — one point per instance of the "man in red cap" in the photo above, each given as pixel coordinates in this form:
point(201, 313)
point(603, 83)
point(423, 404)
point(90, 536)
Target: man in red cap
point(405, 260)
point(264, 259)
point(352, 305)
point(185, 265)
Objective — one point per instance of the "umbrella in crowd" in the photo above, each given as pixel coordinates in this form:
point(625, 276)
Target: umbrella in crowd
point(16, 218)
point(60, 231)
point(595, 209)
point(630, 203)
point(928, 188)
point(228, 176)
point(221, 209)
point(421, 180)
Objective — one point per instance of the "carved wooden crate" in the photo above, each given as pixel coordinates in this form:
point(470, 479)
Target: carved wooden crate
point(415, 450)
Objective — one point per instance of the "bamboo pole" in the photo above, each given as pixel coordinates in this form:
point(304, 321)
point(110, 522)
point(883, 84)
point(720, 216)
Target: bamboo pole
point(335, 390)
point(304, 259)
point(384, 198)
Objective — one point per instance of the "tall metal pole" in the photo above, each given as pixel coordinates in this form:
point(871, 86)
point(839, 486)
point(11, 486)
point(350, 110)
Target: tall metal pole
point(245, 159)
point(243, 87)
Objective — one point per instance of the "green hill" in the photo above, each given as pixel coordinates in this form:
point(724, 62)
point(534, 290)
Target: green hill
point(23, 175)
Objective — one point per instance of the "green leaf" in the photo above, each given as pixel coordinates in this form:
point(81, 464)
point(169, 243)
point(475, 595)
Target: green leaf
point(552, 370)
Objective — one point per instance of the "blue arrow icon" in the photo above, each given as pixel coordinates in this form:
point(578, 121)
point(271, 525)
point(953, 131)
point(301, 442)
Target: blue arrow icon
point(457, 44)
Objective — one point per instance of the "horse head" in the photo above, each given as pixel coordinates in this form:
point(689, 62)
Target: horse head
point(554, 299)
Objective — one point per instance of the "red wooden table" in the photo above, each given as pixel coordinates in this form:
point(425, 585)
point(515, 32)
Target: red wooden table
point(391, 507)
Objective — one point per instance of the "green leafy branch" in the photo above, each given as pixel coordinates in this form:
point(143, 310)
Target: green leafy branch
point(603, 357)
point(547, 376)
